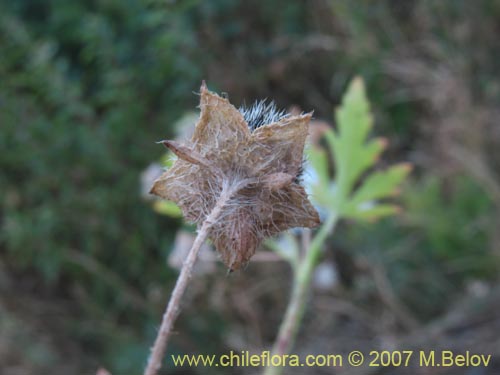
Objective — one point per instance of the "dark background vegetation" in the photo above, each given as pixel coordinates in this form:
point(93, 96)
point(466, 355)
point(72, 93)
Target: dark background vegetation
point(87, 87)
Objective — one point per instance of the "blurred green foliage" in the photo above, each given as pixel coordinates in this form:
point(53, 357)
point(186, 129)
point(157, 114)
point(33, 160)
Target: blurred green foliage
point(83, 97)
point(87, 87)
point(440, 244)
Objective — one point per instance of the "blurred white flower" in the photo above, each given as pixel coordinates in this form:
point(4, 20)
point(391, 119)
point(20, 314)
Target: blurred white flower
point(325, 276)
point(310, 179)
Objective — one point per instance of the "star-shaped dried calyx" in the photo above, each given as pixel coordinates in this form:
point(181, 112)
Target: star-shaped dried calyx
point(260, 167)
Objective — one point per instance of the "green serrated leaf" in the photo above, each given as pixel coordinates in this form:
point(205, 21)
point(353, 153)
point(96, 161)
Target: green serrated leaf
point(380, 184)
point(354, 121)
point(374, 212)
point(354, 154)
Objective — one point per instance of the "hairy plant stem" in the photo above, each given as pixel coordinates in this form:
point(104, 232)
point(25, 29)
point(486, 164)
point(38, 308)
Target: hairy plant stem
point(160, 344)
point(298, 300)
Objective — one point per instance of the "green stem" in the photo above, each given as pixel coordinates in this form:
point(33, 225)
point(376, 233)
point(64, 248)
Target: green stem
point(301, 283)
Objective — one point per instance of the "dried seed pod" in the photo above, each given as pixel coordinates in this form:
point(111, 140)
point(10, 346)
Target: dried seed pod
point(277, 181)
point(235, 238)
point(232, 147)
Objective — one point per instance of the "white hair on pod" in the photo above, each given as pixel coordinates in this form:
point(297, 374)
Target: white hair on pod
point(262, 113)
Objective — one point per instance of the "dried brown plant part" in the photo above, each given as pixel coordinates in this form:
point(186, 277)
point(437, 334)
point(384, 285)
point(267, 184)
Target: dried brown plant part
point(265, 163)
point(160, 344)
point(279, 147)
point(277, 181)
point(186, 154)
point(239, 186)
point(236, 238)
